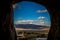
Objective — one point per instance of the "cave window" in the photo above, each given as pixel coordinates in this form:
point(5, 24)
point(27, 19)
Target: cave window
point(31, 16)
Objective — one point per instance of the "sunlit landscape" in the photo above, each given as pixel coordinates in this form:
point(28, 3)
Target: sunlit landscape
point(31, 21)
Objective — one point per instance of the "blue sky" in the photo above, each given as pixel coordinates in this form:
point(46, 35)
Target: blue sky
point(30, 11)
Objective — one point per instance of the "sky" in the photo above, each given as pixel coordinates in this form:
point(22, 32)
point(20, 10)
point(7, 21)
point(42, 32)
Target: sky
point(31, 13)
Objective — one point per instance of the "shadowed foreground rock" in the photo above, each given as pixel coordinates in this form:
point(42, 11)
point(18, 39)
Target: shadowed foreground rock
point(7, 30)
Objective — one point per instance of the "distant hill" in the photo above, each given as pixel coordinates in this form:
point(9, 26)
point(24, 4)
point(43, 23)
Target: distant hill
point(28, 26)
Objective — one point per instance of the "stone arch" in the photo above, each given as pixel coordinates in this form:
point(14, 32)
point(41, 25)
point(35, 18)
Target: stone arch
point(51, 5)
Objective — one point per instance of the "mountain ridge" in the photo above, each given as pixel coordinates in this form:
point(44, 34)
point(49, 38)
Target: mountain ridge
point(28, 26)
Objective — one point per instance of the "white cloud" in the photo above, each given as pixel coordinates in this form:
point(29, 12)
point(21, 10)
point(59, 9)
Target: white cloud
point(24, 22)
point(41, 11)
point(36, 22)
point(42, 18)
point(39, 21)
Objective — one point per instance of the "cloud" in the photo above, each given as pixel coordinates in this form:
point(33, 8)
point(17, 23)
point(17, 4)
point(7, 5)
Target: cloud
point(43, 23)
point(42, 18)
point(24, 22)
point(41, 11)
point(39, 21)
point(36, 22)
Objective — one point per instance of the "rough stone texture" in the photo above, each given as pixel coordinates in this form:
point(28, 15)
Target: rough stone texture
point(7, 31)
